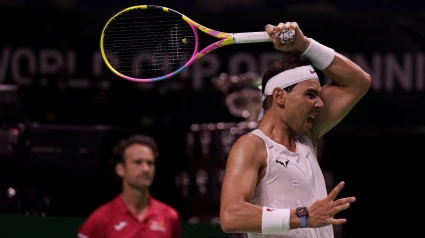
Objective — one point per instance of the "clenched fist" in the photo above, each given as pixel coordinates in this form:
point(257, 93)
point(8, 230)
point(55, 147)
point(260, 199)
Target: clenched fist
point(288, 37)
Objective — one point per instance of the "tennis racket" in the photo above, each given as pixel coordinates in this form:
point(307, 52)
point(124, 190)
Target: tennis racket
point(149, 43)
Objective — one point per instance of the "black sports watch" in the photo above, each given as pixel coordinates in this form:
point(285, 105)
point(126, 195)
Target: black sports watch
point(302, 213)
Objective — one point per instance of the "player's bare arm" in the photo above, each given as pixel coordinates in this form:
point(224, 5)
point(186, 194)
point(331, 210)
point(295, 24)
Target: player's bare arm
point(244, 170)
point(349, 82)
point(244, 163)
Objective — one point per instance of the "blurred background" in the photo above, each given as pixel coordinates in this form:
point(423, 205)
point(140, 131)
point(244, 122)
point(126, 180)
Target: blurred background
point(62, 110)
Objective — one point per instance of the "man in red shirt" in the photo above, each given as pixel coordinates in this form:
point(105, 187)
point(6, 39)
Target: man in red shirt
point(133, 213)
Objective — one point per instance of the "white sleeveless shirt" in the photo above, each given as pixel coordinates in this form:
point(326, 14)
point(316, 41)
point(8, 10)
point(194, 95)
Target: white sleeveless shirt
point(292, 179)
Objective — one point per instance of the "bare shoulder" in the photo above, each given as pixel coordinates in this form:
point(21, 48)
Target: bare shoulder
point(249, 147)
point(251, 137)
point(250, 142)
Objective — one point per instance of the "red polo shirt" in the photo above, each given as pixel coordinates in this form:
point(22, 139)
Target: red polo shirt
point(114, 220)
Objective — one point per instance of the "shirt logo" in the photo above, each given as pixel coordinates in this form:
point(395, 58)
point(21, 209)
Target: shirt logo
point(285, 164)
point(270, 209)
point(120, 225)
point(157, 226)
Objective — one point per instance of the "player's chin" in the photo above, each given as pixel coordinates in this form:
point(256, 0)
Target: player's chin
point(144, 182)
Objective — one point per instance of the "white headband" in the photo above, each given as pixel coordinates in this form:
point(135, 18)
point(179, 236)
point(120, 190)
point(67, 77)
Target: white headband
point(286, 79)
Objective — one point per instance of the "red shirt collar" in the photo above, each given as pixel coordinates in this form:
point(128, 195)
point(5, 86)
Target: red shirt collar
point(122, 208)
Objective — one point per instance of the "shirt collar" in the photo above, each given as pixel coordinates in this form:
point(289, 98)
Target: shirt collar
point(122, 208)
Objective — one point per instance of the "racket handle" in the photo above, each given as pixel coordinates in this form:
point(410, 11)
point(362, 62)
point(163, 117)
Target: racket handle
point(251, 37)
point(261, 36)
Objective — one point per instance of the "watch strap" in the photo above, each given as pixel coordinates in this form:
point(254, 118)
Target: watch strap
point(303, 221)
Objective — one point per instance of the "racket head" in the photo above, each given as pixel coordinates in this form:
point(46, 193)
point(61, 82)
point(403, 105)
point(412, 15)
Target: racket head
point(148, 43)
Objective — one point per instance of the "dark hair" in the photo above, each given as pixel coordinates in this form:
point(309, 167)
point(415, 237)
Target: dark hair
point(118, 152)
point(119, 149)
point(288, 61)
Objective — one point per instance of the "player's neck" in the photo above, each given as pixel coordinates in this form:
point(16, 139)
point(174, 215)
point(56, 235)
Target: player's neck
point(136, 200)
point(278, 132)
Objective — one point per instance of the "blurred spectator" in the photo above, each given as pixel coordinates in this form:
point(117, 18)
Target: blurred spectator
point(134, 212)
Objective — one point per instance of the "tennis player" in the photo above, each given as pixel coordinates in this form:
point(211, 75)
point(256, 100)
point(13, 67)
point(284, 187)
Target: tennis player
point(134, 212)
point(273, 184)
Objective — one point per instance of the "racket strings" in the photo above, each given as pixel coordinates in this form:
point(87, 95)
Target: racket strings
point(141, 45)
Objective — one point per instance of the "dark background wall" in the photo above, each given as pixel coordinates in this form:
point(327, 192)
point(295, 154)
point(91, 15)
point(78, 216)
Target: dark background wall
point(62, 110)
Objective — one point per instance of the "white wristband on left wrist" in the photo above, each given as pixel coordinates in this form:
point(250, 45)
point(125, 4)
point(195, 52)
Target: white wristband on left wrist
point(320, 55)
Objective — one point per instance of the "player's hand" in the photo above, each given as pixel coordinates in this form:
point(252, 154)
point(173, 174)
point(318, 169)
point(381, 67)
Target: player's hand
point(292, 38)
point(322, 211)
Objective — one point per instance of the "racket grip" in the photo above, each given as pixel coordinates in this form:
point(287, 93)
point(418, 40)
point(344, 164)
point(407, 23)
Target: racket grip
point(251, 37)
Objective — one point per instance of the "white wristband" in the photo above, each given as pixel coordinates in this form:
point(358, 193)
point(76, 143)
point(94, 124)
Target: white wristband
point(275, 220)
point(320, 56)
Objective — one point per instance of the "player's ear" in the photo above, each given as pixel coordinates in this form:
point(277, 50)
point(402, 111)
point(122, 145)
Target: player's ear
point(119, 169)
point(279, 96)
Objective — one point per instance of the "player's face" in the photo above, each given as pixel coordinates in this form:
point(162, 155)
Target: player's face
point(139, 166)
point(303, 104)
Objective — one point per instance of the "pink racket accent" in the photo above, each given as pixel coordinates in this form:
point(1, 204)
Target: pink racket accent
point(137, 80)
point(223, 39)
point(196, 55)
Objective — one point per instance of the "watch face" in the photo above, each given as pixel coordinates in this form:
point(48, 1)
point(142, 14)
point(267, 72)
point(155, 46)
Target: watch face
point(301, 211)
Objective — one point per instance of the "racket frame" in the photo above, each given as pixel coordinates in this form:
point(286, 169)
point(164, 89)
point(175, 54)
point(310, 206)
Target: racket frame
point(225, 39)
